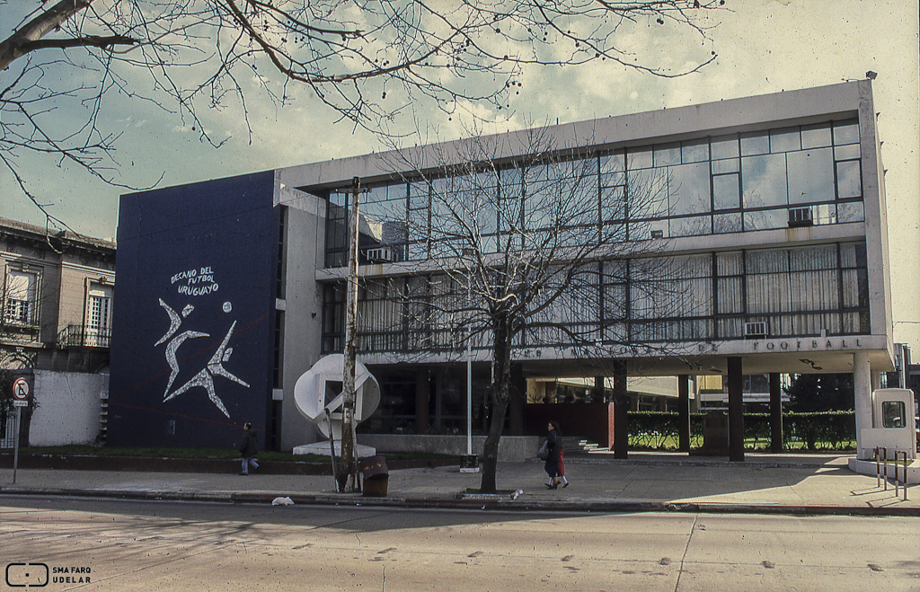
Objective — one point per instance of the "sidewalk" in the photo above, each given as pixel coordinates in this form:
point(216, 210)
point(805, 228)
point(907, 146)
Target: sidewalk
point(797, 484)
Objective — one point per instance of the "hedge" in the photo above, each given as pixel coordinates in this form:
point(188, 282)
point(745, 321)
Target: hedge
point(827, 430)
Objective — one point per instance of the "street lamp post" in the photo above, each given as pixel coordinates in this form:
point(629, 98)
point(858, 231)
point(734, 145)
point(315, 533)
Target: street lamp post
point(470, 463)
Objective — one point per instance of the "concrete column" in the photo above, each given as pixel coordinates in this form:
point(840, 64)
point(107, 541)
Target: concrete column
point(683, 413)
point(735, 410)
point(862, 399)
point(876, 379)
point(597, 395)
point(422, 392)
point(776, 413)
point(621, 411)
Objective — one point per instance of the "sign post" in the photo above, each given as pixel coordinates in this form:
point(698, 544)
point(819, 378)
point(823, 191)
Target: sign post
point(21, 391)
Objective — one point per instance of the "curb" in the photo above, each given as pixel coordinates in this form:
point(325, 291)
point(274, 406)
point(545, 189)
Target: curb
point(500, 503)
point(149, 464)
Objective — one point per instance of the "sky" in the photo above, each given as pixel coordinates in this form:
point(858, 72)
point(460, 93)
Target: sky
point(763, 46)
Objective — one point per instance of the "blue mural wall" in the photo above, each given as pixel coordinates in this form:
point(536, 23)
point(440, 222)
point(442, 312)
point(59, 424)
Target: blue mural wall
point(193, 319)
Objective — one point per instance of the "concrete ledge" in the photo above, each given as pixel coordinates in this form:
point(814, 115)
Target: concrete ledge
point(510, 448)
point(869, 467)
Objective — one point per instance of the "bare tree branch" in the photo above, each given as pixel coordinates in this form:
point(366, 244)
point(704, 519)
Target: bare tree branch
point(25, 39)
point(368, 63)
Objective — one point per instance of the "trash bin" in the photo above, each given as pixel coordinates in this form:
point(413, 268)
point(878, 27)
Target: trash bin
point(374, 471)
point(715, 433)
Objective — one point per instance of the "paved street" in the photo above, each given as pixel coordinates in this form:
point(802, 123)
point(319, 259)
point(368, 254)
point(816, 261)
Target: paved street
point(142, 545)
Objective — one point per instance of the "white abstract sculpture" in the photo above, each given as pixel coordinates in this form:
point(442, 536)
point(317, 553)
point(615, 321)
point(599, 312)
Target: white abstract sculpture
point(318, 395)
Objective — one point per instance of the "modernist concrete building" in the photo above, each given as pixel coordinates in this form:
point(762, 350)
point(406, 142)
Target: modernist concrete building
point(56, 329)
point(771, 208)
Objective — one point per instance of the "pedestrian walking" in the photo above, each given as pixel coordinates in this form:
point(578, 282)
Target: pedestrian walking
point(554, 446)
point(248, 449)
point(565, 482)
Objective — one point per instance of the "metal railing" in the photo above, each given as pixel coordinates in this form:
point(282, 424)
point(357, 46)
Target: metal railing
point(881, 470)
point(20, 312)
point(84, 336)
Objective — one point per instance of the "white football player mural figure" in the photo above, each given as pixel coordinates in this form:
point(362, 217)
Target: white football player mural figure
point(214, 367)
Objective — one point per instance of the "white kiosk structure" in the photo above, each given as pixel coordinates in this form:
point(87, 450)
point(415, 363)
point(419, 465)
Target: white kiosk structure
point(319, 398)
point(892, 424)
point(893, 429)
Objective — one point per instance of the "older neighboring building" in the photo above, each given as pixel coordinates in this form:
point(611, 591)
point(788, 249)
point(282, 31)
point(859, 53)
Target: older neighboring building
point(770, 217)
point(56, 327)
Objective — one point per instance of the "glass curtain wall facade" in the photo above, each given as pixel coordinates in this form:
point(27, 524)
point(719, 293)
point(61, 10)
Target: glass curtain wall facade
point(806, 175)
point(778, 178)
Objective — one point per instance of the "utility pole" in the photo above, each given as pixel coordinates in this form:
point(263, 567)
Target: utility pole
point(349, 449)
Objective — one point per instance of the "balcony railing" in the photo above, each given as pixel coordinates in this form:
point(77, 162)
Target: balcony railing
point(84, 336)
point(20, 313)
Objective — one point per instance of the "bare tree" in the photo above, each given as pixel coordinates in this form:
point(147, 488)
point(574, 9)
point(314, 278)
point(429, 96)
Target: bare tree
point(367, 62)
point(539, 254)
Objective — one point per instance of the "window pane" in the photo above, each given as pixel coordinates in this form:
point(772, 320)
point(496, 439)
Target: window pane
point(850, 212)
point(693, 226)
point(848, 255)
point(757, 143)
point(613, 179)
point(812, 258)
point(893, 414)
point(724, 223)
point(817, 136)
point(639, 159)
point(511, 182)
point(613, 163)
point(725, 147)
point(647, 193)
point(729, 264)
point(824, 214)
point(729, 328)
point(689, 184)
point(646, 230)
point(855, 288)
point(726, 194)
point(730, 298)
point(846, 133)
point(21, 297)
point(767, 261)
point(696, 151)
point(667, 154)
point(785, 140)
point(731, 165)
point(767, 293)
point(849, 183)
point(811, 176)
point(764, 180)
point(614, 302)
point(848, 152)
point(766, 219)
point(613, 203)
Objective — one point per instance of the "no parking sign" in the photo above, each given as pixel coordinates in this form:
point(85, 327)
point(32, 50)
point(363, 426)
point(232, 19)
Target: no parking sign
point(21, 391)
point(22, 388)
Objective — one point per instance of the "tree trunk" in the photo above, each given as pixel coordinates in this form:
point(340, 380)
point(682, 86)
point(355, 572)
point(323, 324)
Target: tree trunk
point(500, 392)
point(620, 412)
point(348, 475)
